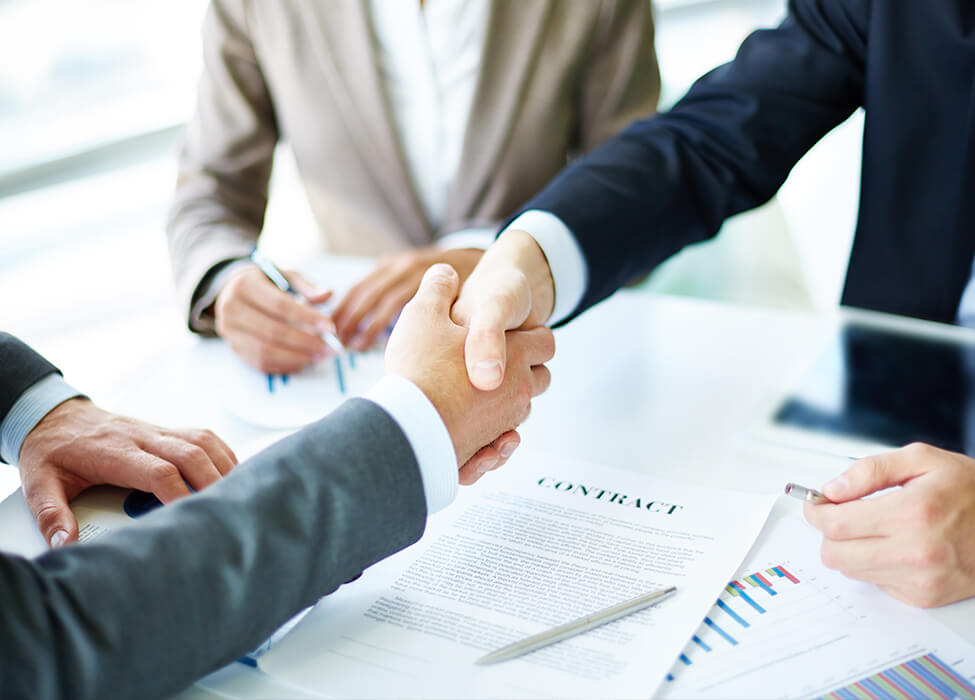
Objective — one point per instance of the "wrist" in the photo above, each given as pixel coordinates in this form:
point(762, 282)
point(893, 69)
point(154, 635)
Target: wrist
point(523, 252)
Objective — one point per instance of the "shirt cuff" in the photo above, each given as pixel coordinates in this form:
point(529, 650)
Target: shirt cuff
point(565, 259)
point(35, 403)
point(480, 238)
point(200, 311)
point(425, 431)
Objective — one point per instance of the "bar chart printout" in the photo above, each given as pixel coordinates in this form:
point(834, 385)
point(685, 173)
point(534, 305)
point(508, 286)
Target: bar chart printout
point(922, 677)
point(787, 627)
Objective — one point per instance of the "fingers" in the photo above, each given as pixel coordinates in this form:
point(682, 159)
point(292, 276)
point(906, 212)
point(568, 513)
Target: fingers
point(220, 454)
point(270, 329)
point(882, 471)
point(191, 461)
point(541, 379)
point(359, 302)
point(872, 517)
point(489, 457)
point(383, 316)
point(310, 291)
point(48, 504)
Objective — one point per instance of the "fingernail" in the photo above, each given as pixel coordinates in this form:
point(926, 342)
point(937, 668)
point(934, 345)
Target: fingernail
point(360, 344)
point(507, 449)
point(58, 539)
point(487, 465)
point(836, 488)
point(487, 373)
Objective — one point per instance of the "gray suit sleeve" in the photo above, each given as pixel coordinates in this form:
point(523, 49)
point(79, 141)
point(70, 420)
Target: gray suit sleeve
point(144, 611)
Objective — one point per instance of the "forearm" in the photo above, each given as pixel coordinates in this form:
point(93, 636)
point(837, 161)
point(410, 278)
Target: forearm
point(672, 180)
point(145, 611)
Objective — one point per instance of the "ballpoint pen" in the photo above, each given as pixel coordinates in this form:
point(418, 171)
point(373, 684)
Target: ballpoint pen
point(570, 629)
point(271, 271)
point(804, 493)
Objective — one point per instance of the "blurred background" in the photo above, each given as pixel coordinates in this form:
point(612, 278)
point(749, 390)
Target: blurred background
point(93, 96)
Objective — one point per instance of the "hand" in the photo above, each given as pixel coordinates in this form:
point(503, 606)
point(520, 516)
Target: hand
point(271, 330)
point(384, 292)
point(426, 347)
point(511, 287)
point(916, 542)
point(78, 445)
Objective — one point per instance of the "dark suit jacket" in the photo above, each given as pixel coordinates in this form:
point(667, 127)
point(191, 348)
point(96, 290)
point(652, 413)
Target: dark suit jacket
point(20, 368)
point(730, 142)
point(142, 612)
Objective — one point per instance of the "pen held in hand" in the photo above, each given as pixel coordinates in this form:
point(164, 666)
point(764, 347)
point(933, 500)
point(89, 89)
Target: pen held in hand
point(272, 272)
point(805, 494)
point(571, 629)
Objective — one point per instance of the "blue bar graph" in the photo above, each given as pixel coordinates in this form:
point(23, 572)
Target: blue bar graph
point(716, 628)
point(683, 657)
point(735, 616)
point(701, 643)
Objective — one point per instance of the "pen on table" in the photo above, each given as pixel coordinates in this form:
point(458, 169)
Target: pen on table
point(570, 629)
point(271, 271)
point(805, 494)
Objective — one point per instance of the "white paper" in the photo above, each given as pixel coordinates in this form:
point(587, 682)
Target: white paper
point(302, 398)
point(816, 635)
point(528, 548)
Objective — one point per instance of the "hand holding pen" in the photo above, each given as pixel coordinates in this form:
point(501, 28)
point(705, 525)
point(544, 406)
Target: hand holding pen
point(327, 334)
point(270, 329)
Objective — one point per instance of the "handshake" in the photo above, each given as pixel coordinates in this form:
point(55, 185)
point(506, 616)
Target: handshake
point(483, 400)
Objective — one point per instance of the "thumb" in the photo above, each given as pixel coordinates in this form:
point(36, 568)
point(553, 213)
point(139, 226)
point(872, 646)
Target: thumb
point(48, 504)
point(438, 290)
point(879, 472)
point(506, 307)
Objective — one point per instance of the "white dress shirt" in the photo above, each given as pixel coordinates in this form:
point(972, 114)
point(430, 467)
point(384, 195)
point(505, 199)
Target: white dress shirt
point(429, 59)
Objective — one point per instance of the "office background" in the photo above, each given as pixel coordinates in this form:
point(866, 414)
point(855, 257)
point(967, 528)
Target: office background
point(92, 98)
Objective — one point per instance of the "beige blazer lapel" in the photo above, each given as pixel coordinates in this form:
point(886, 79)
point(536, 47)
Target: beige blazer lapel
point(347, 56)
point(510, 51)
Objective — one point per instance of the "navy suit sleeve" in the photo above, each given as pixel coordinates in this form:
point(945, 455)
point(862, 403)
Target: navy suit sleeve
point(20, 368)
point(727, 146)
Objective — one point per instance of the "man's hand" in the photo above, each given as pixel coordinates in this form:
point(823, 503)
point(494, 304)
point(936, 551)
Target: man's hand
point(271, 330)
point(916, 542)
point(427, 348)
point(510, 288)
point(78, 445)
point(372, 304)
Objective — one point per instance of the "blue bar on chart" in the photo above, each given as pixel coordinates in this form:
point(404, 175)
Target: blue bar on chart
point(697, 640)
point(923, 677)
point(736, 589)
point(710, 623)
point(734, 616)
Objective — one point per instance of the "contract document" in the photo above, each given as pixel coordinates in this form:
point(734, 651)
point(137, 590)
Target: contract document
point(785, 626)
point(532, 546)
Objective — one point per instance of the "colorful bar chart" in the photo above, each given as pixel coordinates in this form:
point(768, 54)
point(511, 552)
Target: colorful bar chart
point(749, 590)
point(923, 677)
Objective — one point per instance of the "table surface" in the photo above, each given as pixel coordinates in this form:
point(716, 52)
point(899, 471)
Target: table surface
point(664, 385)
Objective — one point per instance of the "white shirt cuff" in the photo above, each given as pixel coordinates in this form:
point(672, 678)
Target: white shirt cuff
point(565, 259)
point(481, 238)
point(425, 430)
point(40, 399)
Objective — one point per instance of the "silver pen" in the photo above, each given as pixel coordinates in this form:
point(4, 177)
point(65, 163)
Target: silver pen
point(804, 493)
point(570, 629)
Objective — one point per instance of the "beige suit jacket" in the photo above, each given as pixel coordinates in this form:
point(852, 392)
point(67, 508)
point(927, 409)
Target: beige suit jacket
point(557, 78)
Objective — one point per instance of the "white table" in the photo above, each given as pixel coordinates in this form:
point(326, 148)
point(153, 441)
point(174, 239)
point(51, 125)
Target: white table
point(651, 383)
